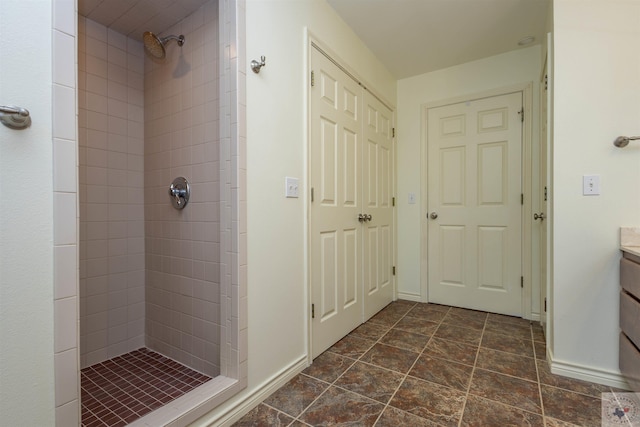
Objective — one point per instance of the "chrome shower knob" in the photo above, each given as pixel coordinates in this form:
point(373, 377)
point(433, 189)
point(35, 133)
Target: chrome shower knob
point(180, 191)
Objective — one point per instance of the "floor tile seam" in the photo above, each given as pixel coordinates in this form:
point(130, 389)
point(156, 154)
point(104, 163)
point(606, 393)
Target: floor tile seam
point(572, 391)
point(137, 388)
point(507, 375)
point(473, 371)
point(373, 365)
point(108, 409)
point(329, 385)
point(404, 378)
point(446, 360)
point(400, 328)
point(507, 405)
point(403, 348)
point(279, 411)
point(508, 352)
point(131, 396)
point(122, 376)
point(508, 335)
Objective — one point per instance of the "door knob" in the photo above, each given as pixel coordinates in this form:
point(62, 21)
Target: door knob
point(367, 217)
point(433, 215)
point(362, 217)
point(541, 216)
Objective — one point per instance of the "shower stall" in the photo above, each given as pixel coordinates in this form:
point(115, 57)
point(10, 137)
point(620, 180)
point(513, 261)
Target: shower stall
point(150, 268)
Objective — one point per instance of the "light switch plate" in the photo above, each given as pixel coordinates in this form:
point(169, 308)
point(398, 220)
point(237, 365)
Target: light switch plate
point(412, 198)
point(591, 185)
point(291, 187)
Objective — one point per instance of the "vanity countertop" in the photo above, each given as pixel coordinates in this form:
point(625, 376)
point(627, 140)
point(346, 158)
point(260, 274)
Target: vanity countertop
point(630, 240)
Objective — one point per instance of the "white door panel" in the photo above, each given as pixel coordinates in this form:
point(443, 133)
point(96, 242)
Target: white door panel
point(377, 186)
point(351, 163)
point(336, 234)
point(474, 187)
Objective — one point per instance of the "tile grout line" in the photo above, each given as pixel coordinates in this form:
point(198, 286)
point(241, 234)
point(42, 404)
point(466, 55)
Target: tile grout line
point(359, 359)
point(473, 371)
point(404, 378)
point(354, 361)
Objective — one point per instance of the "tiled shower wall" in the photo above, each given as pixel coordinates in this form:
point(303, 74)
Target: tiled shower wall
point(183, 246)
point(111, 181)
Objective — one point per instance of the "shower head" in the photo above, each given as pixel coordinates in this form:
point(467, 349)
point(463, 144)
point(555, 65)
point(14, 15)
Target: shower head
point(155, 45)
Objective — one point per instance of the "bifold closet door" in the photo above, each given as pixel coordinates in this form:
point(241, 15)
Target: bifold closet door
point(336, 233)
point(351, 216)
point(377, 186)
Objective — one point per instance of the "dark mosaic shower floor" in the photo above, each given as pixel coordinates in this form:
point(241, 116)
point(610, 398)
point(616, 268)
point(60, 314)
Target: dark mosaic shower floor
point(431, 365)
point(123, 389)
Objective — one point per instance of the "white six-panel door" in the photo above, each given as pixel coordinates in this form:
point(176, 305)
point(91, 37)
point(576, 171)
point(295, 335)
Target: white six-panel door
point(474, 204)
point(351, 170)
point(377, 194)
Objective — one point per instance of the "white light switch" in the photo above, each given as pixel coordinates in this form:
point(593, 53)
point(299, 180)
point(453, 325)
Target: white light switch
point(291, 187)
point(590, 185)
point(412, 198)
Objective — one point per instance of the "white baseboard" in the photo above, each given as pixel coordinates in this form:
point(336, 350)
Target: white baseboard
point(585, 373)
point(240, 408)
point(409, 297)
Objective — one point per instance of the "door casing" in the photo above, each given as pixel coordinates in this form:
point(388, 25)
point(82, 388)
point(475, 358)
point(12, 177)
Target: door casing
point(527, 179)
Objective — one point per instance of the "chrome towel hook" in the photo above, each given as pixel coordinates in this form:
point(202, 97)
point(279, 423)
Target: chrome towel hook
point(14, 117)
point(255, 65)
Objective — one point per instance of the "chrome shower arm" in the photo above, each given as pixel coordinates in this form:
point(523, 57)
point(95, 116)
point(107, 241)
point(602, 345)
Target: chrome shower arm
point(623, 141)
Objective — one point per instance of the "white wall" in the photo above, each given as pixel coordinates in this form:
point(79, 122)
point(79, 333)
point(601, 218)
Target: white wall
point(499, 71)
point(597, 98)
point(276, 147)
point(26, 219)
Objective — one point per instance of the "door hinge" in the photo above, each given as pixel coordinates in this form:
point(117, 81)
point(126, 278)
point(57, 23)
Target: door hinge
point(313, 79)
point(312, 194)
point(393, 270)
point(521, 112)
point(393, 201)
point(545, 304)
point(522, 281)
point(546, 81)
point(545, 193)
point(393, 132)
point(522, 198)
point(313, 311)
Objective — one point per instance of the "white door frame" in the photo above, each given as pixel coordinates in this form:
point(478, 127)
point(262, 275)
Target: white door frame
point(527, 261)
point(311, 39)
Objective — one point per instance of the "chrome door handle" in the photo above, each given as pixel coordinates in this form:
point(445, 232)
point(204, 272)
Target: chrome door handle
point(361, 217)
point(433, 215)
point(367, 217)
point(540, 216)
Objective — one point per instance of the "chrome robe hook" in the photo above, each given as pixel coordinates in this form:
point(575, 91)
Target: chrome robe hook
point(255, 65)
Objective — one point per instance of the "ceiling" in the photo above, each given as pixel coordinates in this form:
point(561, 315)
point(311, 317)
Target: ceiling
point(133, 17)
point(409, 37)
point(412, 37)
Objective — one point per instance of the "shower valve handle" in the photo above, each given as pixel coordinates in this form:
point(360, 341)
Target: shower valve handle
point(180, 191)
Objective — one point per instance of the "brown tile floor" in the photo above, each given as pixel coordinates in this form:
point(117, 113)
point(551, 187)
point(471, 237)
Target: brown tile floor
point(431, 365)
point(125, 388)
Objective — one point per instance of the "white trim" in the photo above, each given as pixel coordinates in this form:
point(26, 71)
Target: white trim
point(237, 411)
point(409, 297)
point(526, 89)
point(585, 373)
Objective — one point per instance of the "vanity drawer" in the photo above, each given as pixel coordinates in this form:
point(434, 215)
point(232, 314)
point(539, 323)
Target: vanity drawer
point(630, 276)
point(629, 362)
point(630, 317)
